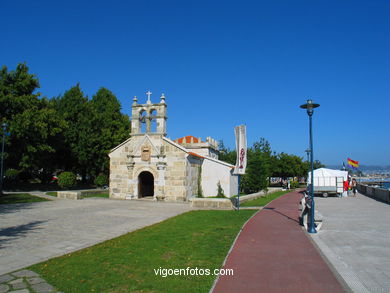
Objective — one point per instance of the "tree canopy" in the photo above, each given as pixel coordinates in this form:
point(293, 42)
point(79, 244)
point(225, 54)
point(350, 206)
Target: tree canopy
point(263, 163)
point(74, 133)
point(69, 132)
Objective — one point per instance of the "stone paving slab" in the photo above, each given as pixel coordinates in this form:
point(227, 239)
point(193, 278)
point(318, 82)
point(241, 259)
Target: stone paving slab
point(34, 232)
point(24, 281)
point(355, 238)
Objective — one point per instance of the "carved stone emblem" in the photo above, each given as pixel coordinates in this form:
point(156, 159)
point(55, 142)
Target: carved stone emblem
point(145, 153)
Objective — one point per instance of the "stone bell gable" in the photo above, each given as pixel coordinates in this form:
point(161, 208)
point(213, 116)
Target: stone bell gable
point(148, 114)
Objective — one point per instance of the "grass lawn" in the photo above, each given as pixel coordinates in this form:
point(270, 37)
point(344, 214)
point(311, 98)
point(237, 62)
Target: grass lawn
point(19, 198)
point(197, 239)
point(52, 193)
point(105, 195)
point(262, 201)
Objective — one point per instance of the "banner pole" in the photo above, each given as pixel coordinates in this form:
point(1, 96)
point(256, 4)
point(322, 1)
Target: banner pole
point(238, 194)
point(241, 159)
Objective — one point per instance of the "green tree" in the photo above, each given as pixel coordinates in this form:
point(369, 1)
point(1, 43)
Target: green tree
point(34, 133)
point(286, 165)
point(76, 151)
point(113, 128)
point(258, 167)
point(17, 89)
point(33, 123)
point(225, 154)
point(317, 164)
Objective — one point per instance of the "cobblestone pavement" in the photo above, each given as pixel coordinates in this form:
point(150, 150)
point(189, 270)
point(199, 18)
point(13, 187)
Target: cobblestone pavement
point(34, 232)
point(24, 281)
point(355, 238)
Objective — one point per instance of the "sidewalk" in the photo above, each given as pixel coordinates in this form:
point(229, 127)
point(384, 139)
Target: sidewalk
point(355, 238)
point(273, 254)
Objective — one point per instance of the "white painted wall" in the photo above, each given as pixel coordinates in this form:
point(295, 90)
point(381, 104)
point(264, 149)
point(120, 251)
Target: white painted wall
point(214, 171)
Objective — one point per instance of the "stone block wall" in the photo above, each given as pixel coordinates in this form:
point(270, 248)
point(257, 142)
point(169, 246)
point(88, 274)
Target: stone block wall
point(211, 203)
point(119, 178)
point(69, 194)
point(193, 167)
point(175, 173)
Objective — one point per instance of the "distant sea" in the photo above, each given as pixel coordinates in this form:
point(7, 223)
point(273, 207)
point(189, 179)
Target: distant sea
point(386, 185)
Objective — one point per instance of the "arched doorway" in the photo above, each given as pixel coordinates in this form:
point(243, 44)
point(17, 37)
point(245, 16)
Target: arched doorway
point(145, 184)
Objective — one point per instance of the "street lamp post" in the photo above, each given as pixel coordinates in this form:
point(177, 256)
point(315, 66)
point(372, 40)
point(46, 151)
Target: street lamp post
point(307, 153)
point(309, 106)
point(4, 126)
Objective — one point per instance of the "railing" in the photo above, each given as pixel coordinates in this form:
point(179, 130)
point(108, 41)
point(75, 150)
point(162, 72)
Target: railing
point(374, 192)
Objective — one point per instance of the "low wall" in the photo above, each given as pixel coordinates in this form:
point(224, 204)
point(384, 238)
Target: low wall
point(227, 203)
point(212, 203)
point(374, 192)
point(69, 194)
point(78, 194)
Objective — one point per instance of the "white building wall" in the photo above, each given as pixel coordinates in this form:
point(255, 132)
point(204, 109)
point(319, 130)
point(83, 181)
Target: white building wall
point(206, 152)
point(214, 171)
point(200, 151)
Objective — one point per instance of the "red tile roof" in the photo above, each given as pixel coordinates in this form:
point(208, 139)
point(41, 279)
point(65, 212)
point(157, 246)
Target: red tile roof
point(195, 155)
point(187, 139)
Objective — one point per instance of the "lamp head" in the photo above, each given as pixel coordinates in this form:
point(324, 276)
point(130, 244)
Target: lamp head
point(309, 106)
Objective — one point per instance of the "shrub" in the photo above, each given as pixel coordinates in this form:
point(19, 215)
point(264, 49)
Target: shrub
point(220, 192)
point(294, 184)
point(101, 180)
point(66, 180)
point(11, 175)
point(200, 191)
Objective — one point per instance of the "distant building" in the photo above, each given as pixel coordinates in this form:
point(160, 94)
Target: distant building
point(148, 164)
point(207, 148)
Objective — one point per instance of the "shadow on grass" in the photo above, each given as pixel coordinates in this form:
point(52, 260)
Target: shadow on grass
point(10, 233)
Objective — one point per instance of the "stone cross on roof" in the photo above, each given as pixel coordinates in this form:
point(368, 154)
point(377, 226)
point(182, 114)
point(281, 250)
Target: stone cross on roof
point(148, 93)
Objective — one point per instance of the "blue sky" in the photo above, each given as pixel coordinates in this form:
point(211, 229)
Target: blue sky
point(223, 63)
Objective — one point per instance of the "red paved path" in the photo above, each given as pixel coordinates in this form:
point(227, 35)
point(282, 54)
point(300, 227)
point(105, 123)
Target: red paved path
point(273, 254)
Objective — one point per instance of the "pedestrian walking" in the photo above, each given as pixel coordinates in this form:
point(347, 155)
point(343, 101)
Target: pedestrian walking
point(354, 186)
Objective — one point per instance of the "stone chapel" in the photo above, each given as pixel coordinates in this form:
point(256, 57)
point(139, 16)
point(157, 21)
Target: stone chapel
point(150, 165)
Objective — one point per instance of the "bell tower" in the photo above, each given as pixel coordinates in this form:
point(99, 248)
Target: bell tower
point(149, 118)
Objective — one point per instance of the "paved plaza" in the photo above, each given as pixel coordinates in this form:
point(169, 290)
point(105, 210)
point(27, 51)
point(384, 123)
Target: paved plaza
point(355, 238)
point(34, 232)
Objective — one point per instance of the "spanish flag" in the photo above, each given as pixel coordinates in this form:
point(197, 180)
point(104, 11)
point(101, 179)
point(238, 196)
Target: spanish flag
point(353, 164)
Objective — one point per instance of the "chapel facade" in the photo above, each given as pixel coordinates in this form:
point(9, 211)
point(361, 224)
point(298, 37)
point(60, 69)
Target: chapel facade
point(150, 165)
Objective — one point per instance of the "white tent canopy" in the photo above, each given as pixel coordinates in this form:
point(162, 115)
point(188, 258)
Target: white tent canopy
point(324, 172)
